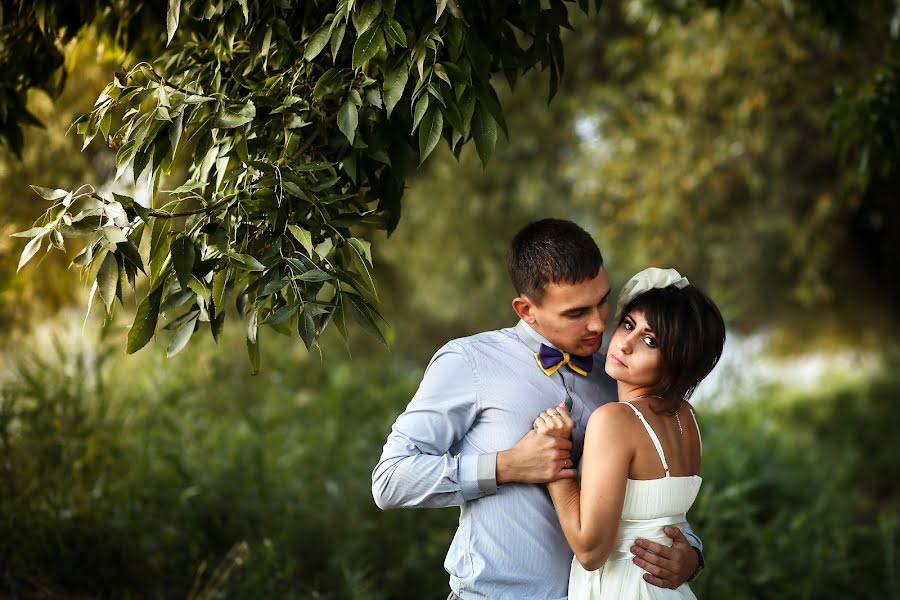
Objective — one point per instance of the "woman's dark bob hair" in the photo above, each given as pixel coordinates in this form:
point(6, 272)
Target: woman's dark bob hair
point(691, 334)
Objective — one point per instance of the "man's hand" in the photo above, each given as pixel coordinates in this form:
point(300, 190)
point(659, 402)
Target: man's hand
point(536, 459)
point(667, 567)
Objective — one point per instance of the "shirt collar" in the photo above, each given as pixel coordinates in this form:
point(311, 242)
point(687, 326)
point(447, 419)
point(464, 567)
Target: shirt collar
point(541, 339)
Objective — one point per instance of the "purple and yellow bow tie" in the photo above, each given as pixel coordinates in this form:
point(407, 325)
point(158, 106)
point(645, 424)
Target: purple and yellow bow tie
point(550, 360)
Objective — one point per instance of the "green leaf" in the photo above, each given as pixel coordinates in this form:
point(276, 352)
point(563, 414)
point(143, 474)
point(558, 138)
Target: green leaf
point(430, 132)
point(160, 244)
point(373, 97)
point(339, 317)
point(313, 166)
point(361, 258)
point(362, 314)
point(144, 326)
point(108, 280)
point(467, 108)
point(31, 248)
point(314, 275)
point(199, 288)
point(282, 314)
point(337, 38)
point(220, 281)
point(188, 186)
point(442, 73)
point(363, 19)
point(172, 17)
point(229, 119)
point(177, 300)
point(394, 84)
point(362, 247)
point(114, 235)
point(33, 232)
point(215, 326)
point(441, 5)
point(182, 335)
point(253, 347)
point(348, 119)
point(489, 100)
point(420, 110)
point(323, 248)
point(247, 262)
point(484, 130)
point(329, 83)
point(479, 56)
point(317, 42)
point(367, 45)
point(306, 327)
point(183, 255)
point(129, 252)
point(302, 236)
point(48, 194)
point(395, 33)
point(271, 287)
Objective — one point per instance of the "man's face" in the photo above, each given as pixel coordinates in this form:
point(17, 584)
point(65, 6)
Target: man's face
point(572, 315)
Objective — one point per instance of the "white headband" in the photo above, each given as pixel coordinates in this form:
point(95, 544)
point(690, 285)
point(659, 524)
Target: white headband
point(649, 279)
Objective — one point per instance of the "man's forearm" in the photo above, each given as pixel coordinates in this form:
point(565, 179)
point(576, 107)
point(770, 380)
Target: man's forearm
point(424, 481)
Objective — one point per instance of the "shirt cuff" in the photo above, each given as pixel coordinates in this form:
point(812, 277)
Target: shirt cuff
point(694, 541)
point(487, 473)
point(478, 475)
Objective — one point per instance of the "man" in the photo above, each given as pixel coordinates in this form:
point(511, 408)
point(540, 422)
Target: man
point(466, 440)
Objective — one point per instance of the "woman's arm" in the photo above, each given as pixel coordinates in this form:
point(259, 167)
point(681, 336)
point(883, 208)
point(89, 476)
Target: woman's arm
point(590, 515)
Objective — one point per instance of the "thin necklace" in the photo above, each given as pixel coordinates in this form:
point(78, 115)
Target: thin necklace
point(677, 419)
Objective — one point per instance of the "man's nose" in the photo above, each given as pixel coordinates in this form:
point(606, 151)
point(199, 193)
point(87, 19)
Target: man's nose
point(597, 324)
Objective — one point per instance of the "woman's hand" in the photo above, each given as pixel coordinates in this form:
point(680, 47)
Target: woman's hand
point(555, 422)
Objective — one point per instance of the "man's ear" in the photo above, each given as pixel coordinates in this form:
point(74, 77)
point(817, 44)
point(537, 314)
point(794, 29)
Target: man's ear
point(523, 306)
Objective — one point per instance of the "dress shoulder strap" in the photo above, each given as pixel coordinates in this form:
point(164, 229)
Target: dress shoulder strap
point(652, 434)
point(697, 425)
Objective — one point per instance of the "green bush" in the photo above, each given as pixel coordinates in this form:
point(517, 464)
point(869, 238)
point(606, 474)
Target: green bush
point(194, 480)
point(786, 509)
point(129, 488)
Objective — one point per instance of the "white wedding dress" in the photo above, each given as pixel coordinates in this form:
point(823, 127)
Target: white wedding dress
point(650, 505)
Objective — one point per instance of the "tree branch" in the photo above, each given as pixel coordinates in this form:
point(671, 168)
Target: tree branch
point(320, 128)
point(185, 213)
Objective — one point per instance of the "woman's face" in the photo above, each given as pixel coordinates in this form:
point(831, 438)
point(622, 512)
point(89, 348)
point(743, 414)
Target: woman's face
point(634, 356)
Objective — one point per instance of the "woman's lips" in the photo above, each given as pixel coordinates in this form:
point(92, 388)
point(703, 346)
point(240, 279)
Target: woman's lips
point(616, 359)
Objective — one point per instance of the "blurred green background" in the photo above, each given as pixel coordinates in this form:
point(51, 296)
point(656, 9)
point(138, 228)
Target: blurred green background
point(701, 139)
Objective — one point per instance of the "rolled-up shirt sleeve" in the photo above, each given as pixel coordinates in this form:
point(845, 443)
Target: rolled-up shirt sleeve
point(418, 465)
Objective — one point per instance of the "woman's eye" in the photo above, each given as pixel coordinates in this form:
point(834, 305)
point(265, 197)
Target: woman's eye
point(650, 341)
point(627, 325)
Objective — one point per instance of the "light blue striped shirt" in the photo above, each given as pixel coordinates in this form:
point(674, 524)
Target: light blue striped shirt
point(480, 395)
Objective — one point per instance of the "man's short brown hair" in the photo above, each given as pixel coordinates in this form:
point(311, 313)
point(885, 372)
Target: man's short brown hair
point(551, 251)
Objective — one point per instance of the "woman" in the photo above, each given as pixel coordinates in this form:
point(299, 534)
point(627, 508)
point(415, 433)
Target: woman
point(641, 462)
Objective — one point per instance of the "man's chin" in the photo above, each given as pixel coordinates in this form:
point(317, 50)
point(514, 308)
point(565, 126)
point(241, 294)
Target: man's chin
point(590, 348)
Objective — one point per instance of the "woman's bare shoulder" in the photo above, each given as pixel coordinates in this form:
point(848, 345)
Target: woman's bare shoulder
point(611, 414)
